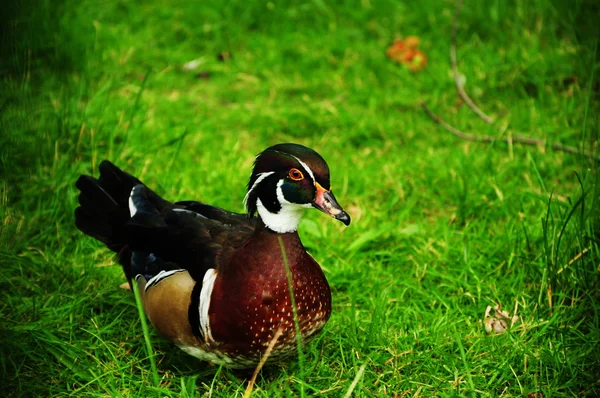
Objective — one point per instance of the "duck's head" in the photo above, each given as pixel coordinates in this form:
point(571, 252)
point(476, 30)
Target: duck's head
point(288, 178)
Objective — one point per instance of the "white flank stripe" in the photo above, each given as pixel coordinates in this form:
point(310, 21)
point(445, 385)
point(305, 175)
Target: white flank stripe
point(261, 177)
point(160, 276)
point(208, 283)
point(132, 208)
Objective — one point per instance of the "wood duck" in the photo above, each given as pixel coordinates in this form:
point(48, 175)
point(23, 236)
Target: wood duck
point(212, 281)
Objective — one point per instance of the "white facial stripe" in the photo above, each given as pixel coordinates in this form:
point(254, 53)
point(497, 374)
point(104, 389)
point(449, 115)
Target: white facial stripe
point(306, 168)
point(208, 283)
point(261, 177)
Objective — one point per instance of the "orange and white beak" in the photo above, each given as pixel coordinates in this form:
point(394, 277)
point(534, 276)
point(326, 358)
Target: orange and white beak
point(326, 202)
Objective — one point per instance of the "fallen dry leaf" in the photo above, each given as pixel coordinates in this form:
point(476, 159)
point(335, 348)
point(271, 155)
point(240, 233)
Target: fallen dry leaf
point(493, 325)
point(499, 322)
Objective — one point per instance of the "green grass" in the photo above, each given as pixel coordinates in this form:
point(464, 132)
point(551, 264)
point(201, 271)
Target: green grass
point(441, 227)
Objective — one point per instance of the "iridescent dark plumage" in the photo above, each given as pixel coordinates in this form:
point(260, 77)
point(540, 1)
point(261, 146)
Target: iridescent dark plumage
point(213, 281)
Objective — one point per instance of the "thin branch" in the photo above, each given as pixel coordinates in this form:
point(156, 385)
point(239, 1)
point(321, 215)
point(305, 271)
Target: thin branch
point(264, 358)
point(465, 97)
point(463, 94)
point(508, 140)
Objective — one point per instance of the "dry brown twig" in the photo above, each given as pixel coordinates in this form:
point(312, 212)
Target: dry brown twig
point(264, 358)
point(459, 86)
point(509, 140)
point(465, 97)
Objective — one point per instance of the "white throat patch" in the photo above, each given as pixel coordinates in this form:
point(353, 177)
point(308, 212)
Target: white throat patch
point(289, 216)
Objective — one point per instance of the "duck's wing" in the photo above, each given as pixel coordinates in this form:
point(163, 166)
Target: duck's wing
point(217, 214)
point(118, 210)
point(194, 240)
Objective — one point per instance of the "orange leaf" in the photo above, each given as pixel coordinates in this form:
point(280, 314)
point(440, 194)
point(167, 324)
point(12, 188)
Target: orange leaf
point(412, 42)
point(406, 52)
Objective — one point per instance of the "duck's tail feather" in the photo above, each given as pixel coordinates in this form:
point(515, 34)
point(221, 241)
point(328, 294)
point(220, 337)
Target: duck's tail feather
point(104, 209)
point(103, 205)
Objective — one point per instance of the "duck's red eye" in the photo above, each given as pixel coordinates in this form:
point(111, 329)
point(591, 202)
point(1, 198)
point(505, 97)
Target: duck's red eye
point(296, 175)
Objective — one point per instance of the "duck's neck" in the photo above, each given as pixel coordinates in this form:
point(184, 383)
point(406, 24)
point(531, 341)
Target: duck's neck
point(271, 242)
point(262, 255)
point(264, 232)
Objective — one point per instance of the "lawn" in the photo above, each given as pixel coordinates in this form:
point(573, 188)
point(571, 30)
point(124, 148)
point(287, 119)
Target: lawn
point(442, 227)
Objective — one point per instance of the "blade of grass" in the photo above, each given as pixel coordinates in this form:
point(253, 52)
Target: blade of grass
point(290, 282)
point(212, 383)
point(357, 378)
point(146, 331)
point(463, 356)
point(587, 104)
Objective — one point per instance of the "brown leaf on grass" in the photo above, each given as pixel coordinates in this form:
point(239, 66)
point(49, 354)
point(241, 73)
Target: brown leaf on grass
point(406, 52)
point(499, 322)
point(495, 326)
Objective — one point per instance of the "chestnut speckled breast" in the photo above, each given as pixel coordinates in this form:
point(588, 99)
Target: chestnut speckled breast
point(214, 282)
point(250, 318)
